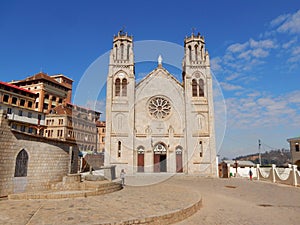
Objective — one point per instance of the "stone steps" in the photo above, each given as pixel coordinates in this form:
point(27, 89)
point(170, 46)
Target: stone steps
point(83, 189)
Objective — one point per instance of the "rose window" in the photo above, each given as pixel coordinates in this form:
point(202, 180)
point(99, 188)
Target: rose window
point(159, 107)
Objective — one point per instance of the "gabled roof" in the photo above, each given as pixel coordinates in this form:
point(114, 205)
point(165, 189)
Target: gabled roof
point(40, 76)
point(153, 72)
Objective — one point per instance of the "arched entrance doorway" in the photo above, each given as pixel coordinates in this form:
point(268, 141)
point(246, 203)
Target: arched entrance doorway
point(160, 158)
point(140, 159)
point(21, 164)
point(178, 151)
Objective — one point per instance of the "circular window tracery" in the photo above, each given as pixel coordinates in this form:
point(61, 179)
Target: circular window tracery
point(159, 107)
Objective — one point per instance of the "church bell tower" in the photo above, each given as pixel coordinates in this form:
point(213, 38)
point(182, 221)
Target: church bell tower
point(200, 132)
point(120, 96)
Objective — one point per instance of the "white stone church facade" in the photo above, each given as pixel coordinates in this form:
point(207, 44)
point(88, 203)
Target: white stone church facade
point(160, 125)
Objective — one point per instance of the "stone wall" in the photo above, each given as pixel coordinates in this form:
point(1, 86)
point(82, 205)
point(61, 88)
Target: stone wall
point(48, 160)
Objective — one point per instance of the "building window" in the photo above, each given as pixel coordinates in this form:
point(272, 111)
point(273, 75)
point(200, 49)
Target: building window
point(196, 52)
point(20, 113)
point(22, 102)
point(128, 49)
point(124, 87)
point(201, 88)
point(30, 130)
point(29, 114)
point(190, 53)
point(59, 133)
point(22, 128)
point(5, 98)
point(194, 88)
point(14, 126)
point(45, 106)
point(60, 121)
point(119, 148)
point(8, 110)
point(116, 54)
point(117, 87)
point(21, 164)
point(297, 147)
point(122, 50)
point(50, 133)
point(29, 104)
point(14, 100)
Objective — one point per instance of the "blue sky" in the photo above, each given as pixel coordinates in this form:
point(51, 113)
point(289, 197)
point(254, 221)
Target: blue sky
point(254, 48)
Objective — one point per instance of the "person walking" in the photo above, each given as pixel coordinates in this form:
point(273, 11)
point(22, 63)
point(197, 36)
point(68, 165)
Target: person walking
point(250, 173)
point(122, 176)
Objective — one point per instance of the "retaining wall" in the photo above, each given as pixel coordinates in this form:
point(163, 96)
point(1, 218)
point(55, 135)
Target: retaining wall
point(48, 160)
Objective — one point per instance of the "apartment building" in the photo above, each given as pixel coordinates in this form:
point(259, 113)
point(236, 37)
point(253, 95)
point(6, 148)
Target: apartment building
point(73, 123)
point(51, 90)
point(19, 106)
point(101, 136)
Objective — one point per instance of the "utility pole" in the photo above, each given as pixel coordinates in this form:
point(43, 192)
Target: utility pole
point(259, 155)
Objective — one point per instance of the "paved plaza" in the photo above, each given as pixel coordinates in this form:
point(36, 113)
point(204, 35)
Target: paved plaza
point(224, 201)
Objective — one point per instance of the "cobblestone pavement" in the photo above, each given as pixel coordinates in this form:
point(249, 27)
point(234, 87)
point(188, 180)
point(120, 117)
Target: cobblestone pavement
point(225, 201)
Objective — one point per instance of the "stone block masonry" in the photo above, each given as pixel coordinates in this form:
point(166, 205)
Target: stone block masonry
point(47, 160)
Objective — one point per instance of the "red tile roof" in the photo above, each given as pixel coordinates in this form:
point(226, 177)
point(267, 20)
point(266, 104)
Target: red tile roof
point(40, 76)
point(16, 87)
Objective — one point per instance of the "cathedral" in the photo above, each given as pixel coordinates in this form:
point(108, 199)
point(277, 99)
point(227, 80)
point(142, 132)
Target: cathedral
point(159, 124)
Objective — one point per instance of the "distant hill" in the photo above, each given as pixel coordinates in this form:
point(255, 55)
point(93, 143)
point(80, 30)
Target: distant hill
point(280, 157)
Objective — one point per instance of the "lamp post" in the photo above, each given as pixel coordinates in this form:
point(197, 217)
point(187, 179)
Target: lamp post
point(259, 155)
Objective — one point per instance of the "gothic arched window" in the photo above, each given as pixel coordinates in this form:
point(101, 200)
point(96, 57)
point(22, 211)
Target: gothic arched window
point(190, 53)
point(201, 88)
point(128, 48)
point(116, 51)
point(122, 51)
point(117, 87)
point(21, 164)
point(124, 87)
point(194, 88)
point(196, 52)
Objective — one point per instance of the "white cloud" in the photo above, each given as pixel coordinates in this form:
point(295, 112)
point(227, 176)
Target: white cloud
point(232, 77)
point(216, 64)
point(230, 87)
point(245, 55)
point(260, 53)
point(237, 47)
point(295, 57)
point(262, 43)
point(289, 44)
point(279, 20)
point(296, 50)
point(263, 110)
point(291, 24)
